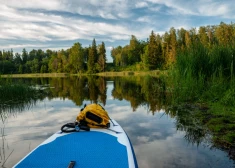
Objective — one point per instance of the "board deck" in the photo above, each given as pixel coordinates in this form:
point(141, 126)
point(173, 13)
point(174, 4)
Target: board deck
point(88, 149)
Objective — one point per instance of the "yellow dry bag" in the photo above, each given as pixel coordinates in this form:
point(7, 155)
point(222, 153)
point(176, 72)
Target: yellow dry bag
point(94, 116)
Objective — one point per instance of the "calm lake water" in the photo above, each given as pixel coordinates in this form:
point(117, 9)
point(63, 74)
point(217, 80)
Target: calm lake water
point(159, 137)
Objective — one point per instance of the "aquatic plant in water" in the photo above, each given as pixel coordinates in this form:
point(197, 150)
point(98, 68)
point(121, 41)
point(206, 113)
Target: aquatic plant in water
point(15, 98)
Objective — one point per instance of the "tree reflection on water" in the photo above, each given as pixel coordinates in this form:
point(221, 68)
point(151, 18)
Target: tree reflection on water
point(151, 92)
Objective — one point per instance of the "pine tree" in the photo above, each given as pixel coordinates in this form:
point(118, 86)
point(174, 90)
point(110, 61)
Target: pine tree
point(102, 56)
point(166, 49)
point(92, 58)
point(152, 51)
point(155, 51)
point(173, 45)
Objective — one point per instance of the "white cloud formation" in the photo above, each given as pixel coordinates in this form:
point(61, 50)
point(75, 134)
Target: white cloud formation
point(199, 8)
point(35, 4)
point(146, 19)
point(46, 27)
point(106, 20)
point(20, 46)
point(141, 4)
point(106, 9)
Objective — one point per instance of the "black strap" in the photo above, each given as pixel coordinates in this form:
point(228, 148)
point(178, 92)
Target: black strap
point(83, 125)
point(71, 164)
point(74, 127)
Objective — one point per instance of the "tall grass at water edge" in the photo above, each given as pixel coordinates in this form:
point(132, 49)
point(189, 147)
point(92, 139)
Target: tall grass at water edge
point(204, 87)
point(205, 74)
point(15, 97)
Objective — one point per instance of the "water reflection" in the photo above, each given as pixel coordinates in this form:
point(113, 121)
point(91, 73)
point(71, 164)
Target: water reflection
point(195, 131)
point(162, 136)
point(142, 91)
point(16, 97)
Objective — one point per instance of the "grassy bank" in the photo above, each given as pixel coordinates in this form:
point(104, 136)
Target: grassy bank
point(108, 74)
point(36, 75)
point(133, 73)
point(203, 82)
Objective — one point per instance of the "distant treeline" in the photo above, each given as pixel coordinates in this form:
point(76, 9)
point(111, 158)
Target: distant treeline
point(76, 59)
point(158, 52)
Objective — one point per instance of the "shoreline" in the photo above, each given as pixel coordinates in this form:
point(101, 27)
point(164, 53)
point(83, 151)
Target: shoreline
point(104, 74)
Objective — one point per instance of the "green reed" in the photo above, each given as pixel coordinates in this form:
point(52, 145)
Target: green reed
point(207, 61)
point(203, 80)
point(202, 73)
point(15, 97)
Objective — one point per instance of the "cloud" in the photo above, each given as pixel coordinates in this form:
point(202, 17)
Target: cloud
point(144, 19)
point(106, 9)
point(35, 4)
point(60, 23)
point(23, 46)
point(47, 27)
point(141, 4)
point(215, 9)
point(198, 8)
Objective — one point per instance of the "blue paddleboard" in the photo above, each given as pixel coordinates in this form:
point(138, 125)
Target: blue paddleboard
point(97, 148)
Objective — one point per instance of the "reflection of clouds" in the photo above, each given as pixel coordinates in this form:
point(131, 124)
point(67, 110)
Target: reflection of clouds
point(143, 125)
point(28, 129)
point(173, 152)
point(154, 137)
point(157, 143)
point(118, 112)
point(41, 116)
point(142, 139)
point(157, 134)
point(140, 124)
point(110, 98)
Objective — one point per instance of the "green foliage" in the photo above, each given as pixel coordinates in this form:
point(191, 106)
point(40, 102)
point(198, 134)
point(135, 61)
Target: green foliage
point(16, 97)
point(102, 57)
point(129, 54)
point(228, 98)
point(73, 60)
point(34, 65)
point(201, 60)
point(203, 74)
point(154, 51)
point(6, 67)
point(76, 58)
point(145, 58)
point(134, 51)
point(161, 51)
point(92, 58)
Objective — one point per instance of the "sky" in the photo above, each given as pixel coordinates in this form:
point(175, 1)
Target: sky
point(58, 24)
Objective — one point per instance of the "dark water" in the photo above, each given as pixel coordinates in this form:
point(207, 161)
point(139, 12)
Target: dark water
point(160, 137)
